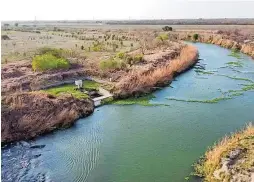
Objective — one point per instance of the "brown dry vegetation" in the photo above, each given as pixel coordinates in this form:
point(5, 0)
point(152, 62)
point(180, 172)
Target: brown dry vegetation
point(140, 82)
point(211, 167)
point(27, 115)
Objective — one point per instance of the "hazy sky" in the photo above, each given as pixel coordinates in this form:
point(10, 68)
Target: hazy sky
point(124, 9)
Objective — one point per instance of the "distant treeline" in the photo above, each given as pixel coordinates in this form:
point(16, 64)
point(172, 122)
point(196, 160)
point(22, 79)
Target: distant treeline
point(225, 21)
point(245, 21)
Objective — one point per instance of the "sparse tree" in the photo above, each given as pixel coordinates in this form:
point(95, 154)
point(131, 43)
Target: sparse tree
point(195, 37)
point(167, 28)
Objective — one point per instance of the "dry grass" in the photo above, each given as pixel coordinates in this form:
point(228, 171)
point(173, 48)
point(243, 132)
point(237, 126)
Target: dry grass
point(212, 158)
point(143, 82)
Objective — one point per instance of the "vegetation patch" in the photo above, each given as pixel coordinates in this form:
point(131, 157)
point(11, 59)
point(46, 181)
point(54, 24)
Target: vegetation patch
point(143, 100)
point(235, 63)
point(237, 78)
point(235, 153)
point(111, 64)
point(212, 101)
point(248, 87)
point(72, 89)
point(49, 62)
point(5, 37)
point(66, 89)
point(235, 54)
point(237, 94)
point(199, 71)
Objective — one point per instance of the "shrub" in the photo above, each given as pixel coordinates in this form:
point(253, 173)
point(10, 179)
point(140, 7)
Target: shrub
point(82, 47)
point(167, 28)
point(120, 55)
point(5, 37)
point(195, 37)
point(53, 51)
point(138, 58)
point(49, 62)
point(128, 59)
point(112, 64)
point(163, 37)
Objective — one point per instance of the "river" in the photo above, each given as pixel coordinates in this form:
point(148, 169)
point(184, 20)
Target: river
point(145, 143)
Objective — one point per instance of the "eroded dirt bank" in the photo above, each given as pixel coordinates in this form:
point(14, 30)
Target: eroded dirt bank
point(244, 46)
point(27, 115)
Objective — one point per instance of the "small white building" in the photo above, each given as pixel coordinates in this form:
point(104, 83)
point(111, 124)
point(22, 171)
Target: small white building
point(78, 83)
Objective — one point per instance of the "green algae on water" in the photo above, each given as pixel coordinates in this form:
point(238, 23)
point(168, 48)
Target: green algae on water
point(211, 101)
point(235, 63)
point(143, 100)
point(199, 71)
point(237, 78)
point(235, 54)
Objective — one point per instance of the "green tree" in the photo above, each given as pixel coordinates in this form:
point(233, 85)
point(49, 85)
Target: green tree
point(16, 24)
point(167, 28)
point(195, 37)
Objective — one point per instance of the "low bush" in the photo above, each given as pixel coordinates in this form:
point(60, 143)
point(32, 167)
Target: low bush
point(48, 62)
point(5, 37)
point(138, 58)
point(112, 64)
point(163, 37)
point(120, 55)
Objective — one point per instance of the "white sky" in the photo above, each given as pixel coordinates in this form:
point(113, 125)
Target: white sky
point(123, 9)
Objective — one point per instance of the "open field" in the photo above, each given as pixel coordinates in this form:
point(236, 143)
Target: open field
point(92, 41)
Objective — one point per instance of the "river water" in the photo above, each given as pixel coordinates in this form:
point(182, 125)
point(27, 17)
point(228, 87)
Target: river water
point(145, 143)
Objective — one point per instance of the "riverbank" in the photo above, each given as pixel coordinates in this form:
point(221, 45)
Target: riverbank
point(144, 82)
point(27, 113)
point(231, 159)
point(244, 46)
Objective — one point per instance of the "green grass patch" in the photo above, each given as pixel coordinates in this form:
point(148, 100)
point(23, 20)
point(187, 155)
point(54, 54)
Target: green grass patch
point(89, 84)
point(70, 89)
point(66, 89)
point(49, 62)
